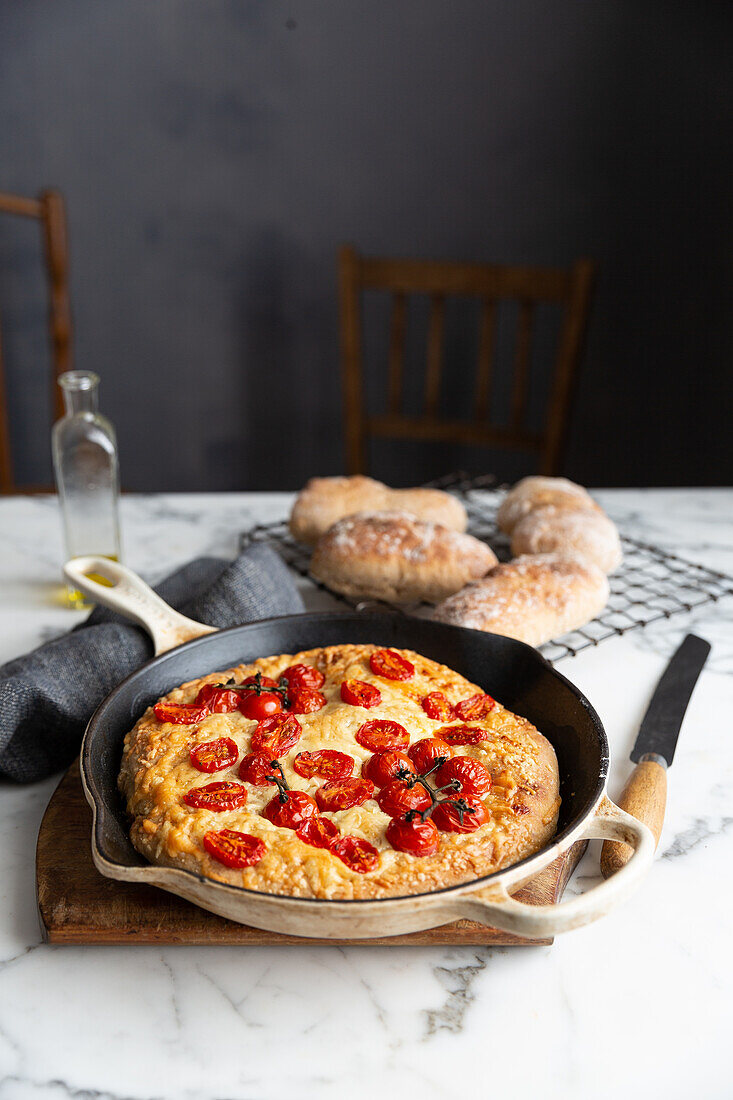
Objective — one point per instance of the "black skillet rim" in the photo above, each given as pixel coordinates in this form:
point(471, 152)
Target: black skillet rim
point(101, 810)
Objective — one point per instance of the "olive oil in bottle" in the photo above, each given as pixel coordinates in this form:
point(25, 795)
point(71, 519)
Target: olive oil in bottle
point(87, 475)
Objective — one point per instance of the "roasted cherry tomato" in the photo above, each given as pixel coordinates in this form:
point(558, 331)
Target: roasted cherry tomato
point(391, 664)
point(319, 832)
point(306, 701)
point(292, 812)
point(216, 796)
point(437, 707)
point(342, 794)
point(218, 699)
point(462, 735)
point(180, 714)
point(474, 778)
point(260, 706)
point(303, 676)
point(384, 766)
point(358, 855)
point(449, 819)
point(419, 838)
point(360, 694)
point(255, 768)
point(379, 734)
point(326, 763)
point(398, 797)
point(424, 753)
point(276, 735)
point(475, 708)
point(214, 756)
point(265, 682)
point(234, 849)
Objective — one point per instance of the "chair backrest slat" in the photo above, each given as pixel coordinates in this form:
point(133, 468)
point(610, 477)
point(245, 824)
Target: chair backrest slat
point(487, 329)
point(436, 329)
point(521, 365)
point(397, 351)
point(492, 284)
point(48, 209)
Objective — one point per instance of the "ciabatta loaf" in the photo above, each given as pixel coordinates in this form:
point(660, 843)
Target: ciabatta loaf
point(533, 598)
point(536, 492)
point(580, 533)
point(393, 556)
point(324, 500)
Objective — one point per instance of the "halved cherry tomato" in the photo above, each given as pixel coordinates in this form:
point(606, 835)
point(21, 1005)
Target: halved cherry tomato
point(360, 694)
point(474, 778)
point(451, 820)
point(342, 794)
point(398, 797)
point(358, 855)
point(306, 701)
point(319, 832)
point(214, 756)
point(419, 838)
point(379, 734)
point(384, 766)
point(291, 813)
point(303, 676)
point(180, 714)
point(234, 849)
point(218, 699)
point(327, 763)
point(475, 708)
point(216, 796)
point(437, 707)
point(463, 735)
point(424, 753)
point(255, 767)
point(391, 664)
point(276, 735)
point(260, 706)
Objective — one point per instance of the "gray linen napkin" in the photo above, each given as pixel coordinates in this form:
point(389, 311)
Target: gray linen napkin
point(47, 696)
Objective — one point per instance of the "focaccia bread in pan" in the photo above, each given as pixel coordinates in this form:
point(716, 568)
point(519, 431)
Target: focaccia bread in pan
point(324, 500)
point(492, 777)
point(534, 598)
point(394, 557)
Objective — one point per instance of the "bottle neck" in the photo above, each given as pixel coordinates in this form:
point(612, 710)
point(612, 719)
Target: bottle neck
point(81, 392)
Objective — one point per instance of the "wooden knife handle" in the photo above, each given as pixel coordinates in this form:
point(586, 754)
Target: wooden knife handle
point(644, 796)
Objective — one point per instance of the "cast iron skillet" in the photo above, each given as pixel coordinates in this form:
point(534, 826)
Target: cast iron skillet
point(513, 672)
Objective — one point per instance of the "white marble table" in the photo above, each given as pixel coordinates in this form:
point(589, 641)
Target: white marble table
point(637, 1004)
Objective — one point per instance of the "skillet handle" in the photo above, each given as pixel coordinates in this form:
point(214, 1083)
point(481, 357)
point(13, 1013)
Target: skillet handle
point(133, 598)
point(494, 906)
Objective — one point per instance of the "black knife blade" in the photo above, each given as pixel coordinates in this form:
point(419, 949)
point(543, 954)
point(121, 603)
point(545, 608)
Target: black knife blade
point(660, 726)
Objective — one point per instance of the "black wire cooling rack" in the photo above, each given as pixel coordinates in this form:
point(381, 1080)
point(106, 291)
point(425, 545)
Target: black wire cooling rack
point(651, 584)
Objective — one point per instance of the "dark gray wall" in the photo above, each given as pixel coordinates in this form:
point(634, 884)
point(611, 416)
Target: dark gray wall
point(215, 153)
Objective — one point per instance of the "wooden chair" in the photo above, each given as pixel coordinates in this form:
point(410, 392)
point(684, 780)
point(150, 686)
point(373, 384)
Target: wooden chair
point(489, 283)
point(48, 208)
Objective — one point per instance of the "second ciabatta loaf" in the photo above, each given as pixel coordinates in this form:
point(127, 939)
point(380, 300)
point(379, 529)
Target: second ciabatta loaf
point(533, 598)
point(324, 500)
point(393, 556)
point(537, 492)
point(579, 533)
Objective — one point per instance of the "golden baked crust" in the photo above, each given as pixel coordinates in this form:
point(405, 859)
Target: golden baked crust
point(324, 500)
point(393, 556)
point(156, 773)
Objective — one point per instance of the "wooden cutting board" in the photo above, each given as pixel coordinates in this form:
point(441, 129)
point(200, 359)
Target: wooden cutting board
point(78, 905)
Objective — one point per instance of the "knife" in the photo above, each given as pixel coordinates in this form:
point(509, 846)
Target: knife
point(645, 794)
